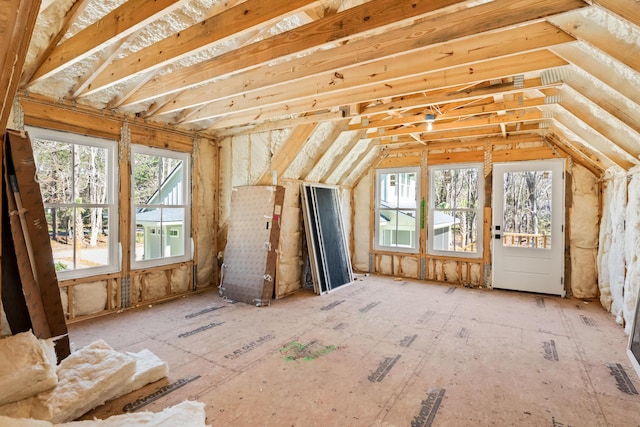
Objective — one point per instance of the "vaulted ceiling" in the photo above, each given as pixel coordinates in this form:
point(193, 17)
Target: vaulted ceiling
point(365, 73)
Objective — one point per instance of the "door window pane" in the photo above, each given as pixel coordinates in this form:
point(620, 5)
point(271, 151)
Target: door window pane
point(527, 209)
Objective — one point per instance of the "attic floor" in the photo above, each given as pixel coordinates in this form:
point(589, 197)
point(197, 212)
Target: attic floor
point(382, 352)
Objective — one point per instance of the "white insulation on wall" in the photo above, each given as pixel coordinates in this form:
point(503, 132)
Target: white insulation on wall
point(632, 249)
point(583, 233)
point(290, 251)
point(361, 226)
point(611, 265)
point(206, 182)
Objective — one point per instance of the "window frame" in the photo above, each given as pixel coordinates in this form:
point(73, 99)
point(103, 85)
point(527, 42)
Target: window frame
point(114, 248)
point(479, 210)
point(186, 205)
point(415, 249)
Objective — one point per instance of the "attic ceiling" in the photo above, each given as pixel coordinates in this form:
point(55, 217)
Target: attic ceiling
point(362, 74)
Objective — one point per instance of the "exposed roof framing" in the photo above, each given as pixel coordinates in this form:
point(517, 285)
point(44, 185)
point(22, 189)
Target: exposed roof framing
point(352, 76)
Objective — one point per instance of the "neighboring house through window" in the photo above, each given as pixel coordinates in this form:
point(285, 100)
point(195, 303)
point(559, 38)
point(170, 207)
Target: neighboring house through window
point(396, 216)
point(77, 176)
point(160, 188)
point(455, 210)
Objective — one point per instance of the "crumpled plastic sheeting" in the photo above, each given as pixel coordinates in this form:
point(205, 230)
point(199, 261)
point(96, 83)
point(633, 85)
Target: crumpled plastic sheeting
point(583, 234)
point(632, 250)
point(611, 265)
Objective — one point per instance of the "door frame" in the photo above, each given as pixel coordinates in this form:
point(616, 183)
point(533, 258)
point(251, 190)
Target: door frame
point(556, 258)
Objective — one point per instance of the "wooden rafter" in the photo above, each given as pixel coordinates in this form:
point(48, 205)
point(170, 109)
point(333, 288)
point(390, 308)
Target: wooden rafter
point(17, 19)
point(285, 155)
point(482, 71)
point(117, 25)
point(327, 31)
point(467, 51)
point(230, 23)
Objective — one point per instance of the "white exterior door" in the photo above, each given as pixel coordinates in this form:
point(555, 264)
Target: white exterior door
point(528, 226)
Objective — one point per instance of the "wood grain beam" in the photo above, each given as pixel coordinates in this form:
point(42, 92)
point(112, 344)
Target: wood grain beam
point(440, 57)
point(328, 31)
point(17, 19)
point(588, 160)
point(593, 140)
point(77, 7)
point(338, 158)
point(625, 9)
point(117, 25)
point(285, 155)
point(462, 93)
point(232, 22)
point(600, 30)
point(455, 113)
point(487, 70)
point(324, 146)
point(466, 135)
point(516, 117)
point(281, 124)
point(423, 35)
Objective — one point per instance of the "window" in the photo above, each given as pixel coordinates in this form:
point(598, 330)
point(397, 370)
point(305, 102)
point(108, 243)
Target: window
point(455, 210)
point(77, 176)
point(160, 190)
point(396, 218)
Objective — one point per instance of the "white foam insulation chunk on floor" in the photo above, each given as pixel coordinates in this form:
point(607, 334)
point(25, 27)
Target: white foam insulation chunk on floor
point(185, 414)
point(611, 266)
point(290, 249)
point(149, 369)
point(632, 249)
point(361, 226)
point(583, 233)
point(86, 379)
point(26, 367)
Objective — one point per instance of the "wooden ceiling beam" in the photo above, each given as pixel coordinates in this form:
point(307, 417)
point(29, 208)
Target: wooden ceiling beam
point(77, 7)
point(487, 70)
point(117, 25)
point(17, 19)
point(591, 162)
point(518, 117)
point(601, 32)
point(454, 113)
point(326, 32)
point(232, 22)
point(600, 121)
point(625, 9)
point(328, 65)
point(325, 146)
point(468, 135)
point(281, 159)
point(336, 158)
point(371, 146)
point(283, 123)
point(592, 139)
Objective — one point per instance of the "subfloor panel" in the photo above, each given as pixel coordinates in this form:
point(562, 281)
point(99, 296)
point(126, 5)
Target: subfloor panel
point(381, 352)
